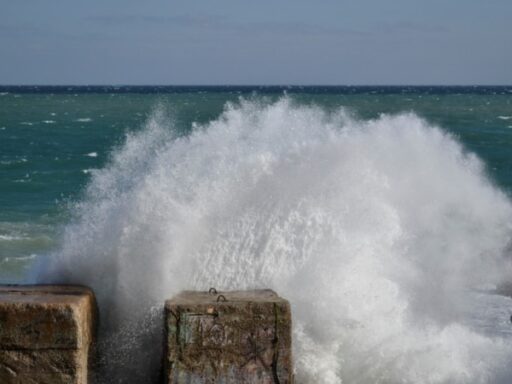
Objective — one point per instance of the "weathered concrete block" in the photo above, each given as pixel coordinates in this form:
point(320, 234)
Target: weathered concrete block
point(45, 334)
point(52, 365)
point(228, 337)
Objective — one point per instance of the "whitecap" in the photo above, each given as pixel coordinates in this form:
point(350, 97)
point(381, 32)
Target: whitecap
point(92, 154)
point(26, 179)
point(49, 121)
point(11, 237)
point(26, 123)
point(504, 117)
point(84, 120)
point(28, 257)
point(14, 161)
point(17, 259)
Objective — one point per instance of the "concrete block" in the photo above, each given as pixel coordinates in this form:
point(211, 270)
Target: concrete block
point(228, 337)
point(45, 334)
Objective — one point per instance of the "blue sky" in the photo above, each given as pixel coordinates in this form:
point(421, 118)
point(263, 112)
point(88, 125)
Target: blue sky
point(256, 42)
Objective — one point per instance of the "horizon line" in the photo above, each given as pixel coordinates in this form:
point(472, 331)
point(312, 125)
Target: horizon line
point(255, 85)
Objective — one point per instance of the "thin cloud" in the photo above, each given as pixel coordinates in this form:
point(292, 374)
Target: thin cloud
point(183, 20)
point(401, 27)
point(300, 29)
point(217, 23)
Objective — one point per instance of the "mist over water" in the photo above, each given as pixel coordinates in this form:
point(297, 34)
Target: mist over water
point(377, 231)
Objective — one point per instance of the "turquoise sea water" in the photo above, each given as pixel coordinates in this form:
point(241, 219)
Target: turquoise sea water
point(382, 213)
point(52, 137)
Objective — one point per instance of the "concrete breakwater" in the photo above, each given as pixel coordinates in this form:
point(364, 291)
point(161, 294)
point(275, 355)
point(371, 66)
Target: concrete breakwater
point(47, 336)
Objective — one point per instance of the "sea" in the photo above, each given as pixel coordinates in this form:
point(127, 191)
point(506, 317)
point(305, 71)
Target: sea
point(383, 213)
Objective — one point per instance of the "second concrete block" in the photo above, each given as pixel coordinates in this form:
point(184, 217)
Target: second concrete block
point(228, 337)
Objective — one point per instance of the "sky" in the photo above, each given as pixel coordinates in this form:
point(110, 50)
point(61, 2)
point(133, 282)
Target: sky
point(256, 42)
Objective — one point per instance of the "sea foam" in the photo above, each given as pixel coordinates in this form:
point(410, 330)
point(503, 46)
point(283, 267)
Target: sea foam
point(377, 231)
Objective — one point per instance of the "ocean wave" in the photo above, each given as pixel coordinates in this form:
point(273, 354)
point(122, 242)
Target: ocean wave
point(92, 154)
point(19, 239)
point(504, 117)
point(12, 238)
point(18, 160)
point(18, 259)
point(377, 231)
point(84, 120)
point(14, 161)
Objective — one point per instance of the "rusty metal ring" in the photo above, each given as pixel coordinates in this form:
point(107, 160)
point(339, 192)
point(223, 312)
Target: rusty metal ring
point(212, 291)
point(223, 298)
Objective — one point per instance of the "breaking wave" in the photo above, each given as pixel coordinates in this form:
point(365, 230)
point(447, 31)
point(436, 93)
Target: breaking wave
point(379, 232)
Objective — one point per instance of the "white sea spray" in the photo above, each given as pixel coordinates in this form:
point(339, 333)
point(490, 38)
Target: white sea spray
point(377, 231)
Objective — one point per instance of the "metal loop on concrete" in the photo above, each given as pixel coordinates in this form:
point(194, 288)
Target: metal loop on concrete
point(212, 291)
point(221, 297)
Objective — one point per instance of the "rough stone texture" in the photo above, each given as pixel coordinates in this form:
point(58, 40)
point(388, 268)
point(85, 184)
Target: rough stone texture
point(59, 365)
point(245, 339)
point(45, 334)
